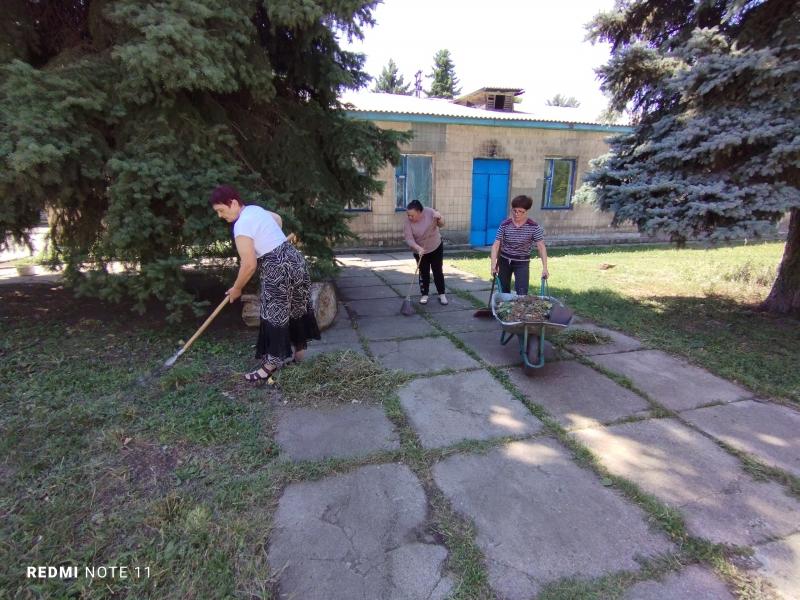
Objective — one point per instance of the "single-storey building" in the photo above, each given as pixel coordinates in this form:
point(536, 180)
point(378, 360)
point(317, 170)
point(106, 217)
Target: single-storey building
point(470, 156)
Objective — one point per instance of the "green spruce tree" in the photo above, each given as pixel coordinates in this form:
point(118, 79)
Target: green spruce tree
point(120, 116)
point(714, 153)
point(445, 82)
point(390, 82)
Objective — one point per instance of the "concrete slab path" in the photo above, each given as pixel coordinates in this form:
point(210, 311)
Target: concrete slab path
point(448, 409)
point(578, 396)
point(692, 583)
point(674, 383)
point(538, 516)
point(357, 535)
point(335, 432)
point(766, 431)
point(686, 470)
point(541, 518)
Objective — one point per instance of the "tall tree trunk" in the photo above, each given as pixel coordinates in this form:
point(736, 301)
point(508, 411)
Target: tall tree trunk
point(785, 295)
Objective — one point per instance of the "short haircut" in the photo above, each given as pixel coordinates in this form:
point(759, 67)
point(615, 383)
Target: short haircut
point(522, 202)
point(224, 194)
point(414, 205)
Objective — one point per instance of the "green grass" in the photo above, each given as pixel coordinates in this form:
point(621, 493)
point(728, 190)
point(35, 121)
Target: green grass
point(694, 302)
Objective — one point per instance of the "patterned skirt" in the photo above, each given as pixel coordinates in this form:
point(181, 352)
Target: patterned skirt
point(287, 315)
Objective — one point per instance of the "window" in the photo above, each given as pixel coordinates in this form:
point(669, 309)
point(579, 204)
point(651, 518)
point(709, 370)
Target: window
point(413, 180)
point(351, 206)
point(559, 182)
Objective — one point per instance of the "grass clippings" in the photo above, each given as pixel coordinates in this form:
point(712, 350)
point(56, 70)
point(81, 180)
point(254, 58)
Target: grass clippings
point(338, 378)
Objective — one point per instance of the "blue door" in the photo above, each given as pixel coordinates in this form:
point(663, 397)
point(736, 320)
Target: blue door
point(489, 199)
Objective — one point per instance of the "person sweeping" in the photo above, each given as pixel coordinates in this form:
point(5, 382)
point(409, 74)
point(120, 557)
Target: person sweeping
point(287, 316)
point(421, 233)
point(511, 251)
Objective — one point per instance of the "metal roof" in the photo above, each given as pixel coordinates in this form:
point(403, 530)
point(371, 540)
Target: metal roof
point(371, 102)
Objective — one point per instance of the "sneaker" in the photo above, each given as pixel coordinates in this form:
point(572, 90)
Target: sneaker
point(443, 299)
point(423, 299)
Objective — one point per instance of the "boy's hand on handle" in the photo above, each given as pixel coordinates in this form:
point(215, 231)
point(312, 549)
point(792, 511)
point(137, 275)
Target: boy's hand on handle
point(495, 268)
point(419, 250)
point(545, 274)
point(234, 294)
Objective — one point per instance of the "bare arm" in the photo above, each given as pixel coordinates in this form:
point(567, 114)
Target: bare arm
point(247, 265)
point(495, 254)
point(542, 249)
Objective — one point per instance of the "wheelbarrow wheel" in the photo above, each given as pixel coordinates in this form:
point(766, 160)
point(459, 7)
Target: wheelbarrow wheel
point(533, 355)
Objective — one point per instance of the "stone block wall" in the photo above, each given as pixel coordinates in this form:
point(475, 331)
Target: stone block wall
point(453, 148)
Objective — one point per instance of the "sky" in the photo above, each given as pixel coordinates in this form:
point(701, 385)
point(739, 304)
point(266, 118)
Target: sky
point(536, 45)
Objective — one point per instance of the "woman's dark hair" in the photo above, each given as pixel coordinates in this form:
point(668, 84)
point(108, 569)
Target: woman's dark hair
point(522, 202)
point(224, 194)
point(414, 205)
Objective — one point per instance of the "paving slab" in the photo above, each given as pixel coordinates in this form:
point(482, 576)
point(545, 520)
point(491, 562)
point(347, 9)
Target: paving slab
point(315, 349)
point(717, 498)
point(692, 583)
point(354, 270)
point(486, 344)
point(380, 307)
point(780, 566)
point(367, 292)
point(577, 396)
point(453, 303)
point(619, 341)
point(367, 278)
point(340, 332)
point(424, 355)
point(356, 535)
point(674, 383)
point(769, 432)
point(471, 285)
point(459, 321)
point(448, 409)
point(335, 432)
point(399, 277)
point(540, 518)
point(387, 328)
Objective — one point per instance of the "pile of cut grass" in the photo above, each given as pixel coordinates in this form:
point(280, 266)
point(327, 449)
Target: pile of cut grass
point(338, 377)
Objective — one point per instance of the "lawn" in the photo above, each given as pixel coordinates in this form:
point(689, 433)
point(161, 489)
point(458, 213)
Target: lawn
point(696, 303)
point(108, 461)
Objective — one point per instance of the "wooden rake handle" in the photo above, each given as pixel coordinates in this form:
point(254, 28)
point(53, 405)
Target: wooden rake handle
point(203, 327)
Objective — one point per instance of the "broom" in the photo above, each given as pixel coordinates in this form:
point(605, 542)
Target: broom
point(407, 309)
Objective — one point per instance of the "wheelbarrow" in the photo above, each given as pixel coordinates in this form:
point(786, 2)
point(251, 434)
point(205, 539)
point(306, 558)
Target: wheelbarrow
point(531, 334)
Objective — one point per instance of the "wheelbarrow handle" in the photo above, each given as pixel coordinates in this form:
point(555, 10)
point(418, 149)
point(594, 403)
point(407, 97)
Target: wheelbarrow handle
point(544, 290)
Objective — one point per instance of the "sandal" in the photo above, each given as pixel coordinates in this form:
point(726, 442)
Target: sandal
point(261, 375)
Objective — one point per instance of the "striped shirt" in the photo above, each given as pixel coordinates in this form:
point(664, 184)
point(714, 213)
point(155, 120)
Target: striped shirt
point(516, 242)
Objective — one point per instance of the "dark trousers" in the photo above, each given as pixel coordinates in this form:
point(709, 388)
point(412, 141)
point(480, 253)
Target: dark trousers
point(431, 261)
point(521, 271)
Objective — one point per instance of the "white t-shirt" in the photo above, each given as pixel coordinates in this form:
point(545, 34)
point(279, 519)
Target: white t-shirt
point(257, 224)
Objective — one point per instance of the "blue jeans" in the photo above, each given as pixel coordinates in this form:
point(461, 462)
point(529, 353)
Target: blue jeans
point(521, 271)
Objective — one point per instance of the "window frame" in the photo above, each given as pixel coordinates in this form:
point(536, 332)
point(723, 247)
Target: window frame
point(547, 182)
point(358, 209)
point(404, 176)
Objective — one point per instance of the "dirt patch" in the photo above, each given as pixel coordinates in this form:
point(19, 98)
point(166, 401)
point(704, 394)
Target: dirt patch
point(46, 302)
point(140, 469)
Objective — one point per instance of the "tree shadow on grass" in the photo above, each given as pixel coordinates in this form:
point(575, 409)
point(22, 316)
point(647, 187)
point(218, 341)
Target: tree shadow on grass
point(731, 339)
